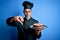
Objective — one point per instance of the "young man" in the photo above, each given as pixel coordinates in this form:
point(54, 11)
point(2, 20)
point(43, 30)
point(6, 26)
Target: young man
point(25, 32)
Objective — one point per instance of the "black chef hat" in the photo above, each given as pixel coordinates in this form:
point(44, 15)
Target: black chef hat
point(27, 5)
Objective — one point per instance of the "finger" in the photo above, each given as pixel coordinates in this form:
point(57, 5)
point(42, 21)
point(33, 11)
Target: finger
point(21, 18)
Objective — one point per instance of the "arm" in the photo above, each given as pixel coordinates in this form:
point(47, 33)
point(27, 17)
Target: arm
point(10, 21)
point(37, 30)
point(38, 34)
point(38, 27)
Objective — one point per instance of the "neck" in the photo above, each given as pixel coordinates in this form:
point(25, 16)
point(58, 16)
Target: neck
point(28, 18)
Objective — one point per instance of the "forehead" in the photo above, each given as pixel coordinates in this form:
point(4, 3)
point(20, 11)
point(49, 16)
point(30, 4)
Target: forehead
point(27, 10)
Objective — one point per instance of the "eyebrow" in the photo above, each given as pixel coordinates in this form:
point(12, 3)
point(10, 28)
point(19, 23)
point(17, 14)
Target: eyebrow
point(28, 11)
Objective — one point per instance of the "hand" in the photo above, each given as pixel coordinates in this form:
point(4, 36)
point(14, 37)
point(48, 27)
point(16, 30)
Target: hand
point(19, 18)
point(38, 27)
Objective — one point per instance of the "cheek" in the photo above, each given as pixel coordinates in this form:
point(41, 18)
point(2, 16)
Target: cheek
point(26, 14)
point(30, 13)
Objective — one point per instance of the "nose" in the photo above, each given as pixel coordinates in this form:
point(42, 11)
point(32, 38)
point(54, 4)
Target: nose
point(27, 13)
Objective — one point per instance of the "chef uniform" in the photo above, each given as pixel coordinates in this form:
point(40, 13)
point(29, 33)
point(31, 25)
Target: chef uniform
point(24, 31)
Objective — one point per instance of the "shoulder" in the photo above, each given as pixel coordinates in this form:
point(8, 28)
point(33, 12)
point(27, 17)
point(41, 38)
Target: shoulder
point(34, 20)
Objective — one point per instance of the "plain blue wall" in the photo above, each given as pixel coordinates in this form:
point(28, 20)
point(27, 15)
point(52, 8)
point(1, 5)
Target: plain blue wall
point(45, 11)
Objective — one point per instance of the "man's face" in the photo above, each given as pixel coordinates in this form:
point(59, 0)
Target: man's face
point(27, 13)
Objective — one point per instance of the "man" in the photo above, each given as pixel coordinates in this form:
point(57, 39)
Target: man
point(25, 31)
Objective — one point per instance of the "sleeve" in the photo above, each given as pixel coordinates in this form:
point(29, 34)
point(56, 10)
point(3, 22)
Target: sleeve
point(33, 33)
point(8, 21)
point(38, 36)
point(11, 23)
point(15, 24)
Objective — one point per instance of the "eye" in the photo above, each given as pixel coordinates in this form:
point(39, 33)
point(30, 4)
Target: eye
point(29, 11)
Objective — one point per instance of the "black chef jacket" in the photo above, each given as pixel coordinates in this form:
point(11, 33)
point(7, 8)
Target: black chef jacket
point(24, 31)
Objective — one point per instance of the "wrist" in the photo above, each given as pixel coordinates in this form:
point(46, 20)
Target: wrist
point(38, 32)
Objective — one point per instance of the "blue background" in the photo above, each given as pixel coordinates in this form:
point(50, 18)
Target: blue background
point(45, 11)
